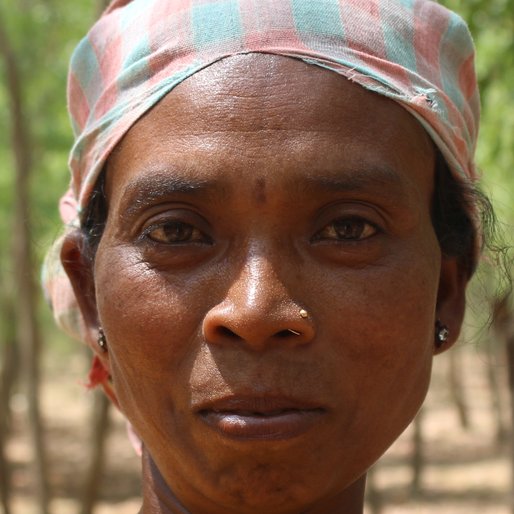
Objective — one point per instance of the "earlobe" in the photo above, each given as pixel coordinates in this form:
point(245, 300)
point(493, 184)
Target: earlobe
point(78, 263)
point(451, 302)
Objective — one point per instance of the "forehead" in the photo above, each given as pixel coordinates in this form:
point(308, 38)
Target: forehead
point(272, 111)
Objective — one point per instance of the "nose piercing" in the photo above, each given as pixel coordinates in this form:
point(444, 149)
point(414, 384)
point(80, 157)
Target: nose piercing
point(303, 314)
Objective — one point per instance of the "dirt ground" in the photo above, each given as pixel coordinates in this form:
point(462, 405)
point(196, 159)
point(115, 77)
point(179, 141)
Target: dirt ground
point(465, 472)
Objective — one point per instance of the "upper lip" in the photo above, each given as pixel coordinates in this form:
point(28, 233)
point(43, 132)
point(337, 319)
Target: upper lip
point(256, 404)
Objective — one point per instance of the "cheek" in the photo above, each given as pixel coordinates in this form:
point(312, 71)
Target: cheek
point(151, 323)
point(383, 342)
point(386, 308)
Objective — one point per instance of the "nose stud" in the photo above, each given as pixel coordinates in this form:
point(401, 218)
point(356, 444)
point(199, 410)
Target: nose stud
point(303, 314)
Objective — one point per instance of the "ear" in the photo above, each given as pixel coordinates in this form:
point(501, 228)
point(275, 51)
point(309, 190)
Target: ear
point(451, 298)
point(78, 263)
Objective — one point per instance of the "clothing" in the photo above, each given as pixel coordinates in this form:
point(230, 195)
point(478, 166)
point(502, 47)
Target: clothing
point(415, 52)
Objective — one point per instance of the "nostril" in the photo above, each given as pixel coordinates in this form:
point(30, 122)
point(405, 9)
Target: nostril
point(286, 333)
point(225, 332)
point(255, 330)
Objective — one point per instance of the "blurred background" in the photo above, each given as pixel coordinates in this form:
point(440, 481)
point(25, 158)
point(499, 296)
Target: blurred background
point(64, 450)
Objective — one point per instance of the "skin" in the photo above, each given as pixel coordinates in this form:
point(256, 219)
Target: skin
point(293, 188)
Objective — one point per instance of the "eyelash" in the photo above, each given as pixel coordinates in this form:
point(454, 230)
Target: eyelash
point(184, 233)
point(330, 231)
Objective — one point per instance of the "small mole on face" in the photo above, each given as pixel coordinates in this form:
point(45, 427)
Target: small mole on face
point(259, 192)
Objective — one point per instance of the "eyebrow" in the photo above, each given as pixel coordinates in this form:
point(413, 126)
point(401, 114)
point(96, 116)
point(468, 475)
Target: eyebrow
point(156, 185)
point(152, 186)
point(356, 179)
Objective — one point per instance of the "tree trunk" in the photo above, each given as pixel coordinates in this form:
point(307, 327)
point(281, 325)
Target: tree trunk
point(373, 495)
point(5, 469)
point(8, 378)
point(510, 359)
point(5, 476)
point(456, 389)
point(497, 405)
point(418, 457)
point(503, 324)
point(100, 428)
point(28, 334)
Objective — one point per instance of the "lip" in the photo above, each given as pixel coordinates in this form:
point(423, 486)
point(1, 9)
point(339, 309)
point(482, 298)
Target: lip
point(260, 417)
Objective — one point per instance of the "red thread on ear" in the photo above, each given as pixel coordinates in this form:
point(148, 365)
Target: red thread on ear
point(98, 375)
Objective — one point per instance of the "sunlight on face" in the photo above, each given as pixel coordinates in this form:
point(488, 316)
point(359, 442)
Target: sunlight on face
point(259, 187)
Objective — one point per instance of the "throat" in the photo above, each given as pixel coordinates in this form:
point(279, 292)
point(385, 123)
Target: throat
point(158, 498)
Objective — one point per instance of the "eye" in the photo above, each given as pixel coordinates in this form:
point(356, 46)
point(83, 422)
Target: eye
point(175, 232)
point(347, 229)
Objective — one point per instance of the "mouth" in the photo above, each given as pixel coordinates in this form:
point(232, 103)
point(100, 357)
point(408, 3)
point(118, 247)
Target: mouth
point(262, 418)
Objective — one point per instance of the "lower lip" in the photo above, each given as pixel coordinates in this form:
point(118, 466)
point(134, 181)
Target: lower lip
point(284, 425)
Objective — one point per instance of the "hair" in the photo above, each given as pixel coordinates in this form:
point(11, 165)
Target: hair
point(94, 217)
point(454, 207)
point(462, 217)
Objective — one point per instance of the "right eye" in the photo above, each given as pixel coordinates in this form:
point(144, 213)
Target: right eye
point(347, 229)
point(175, 232)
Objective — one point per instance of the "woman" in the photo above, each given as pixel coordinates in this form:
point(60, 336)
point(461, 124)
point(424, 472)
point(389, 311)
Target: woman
point(270, 232)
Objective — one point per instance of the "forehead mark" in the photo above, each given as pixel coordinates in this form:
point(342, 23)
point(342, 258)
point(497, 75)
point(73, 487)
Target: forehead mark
point(259, 191)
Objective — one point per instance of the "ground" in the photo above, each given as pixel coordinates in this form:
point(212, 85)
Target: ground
point(466, 471)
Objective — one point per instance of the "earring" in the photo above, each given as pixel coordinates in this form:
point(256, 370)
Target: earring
point(442, 332)
point(102, 341)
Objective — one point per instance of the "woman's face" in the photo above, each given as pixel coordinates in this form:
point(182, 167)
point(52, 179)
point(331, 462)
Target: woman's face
point(259, 187)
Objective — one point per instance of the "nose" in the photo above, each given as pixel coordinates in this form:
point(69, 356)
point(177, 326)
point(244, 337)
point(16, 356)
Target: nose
point(258, 311)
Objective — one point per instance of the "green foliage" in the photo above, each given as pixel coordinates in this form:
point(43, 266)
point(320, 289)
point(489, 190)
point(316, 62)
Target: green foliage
point(492, 25)
point(42, 35)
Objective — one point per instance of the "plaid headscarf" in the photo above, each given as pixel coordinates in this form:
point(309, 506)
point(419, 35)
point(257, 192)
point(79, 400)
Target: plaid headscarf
point(415, 52)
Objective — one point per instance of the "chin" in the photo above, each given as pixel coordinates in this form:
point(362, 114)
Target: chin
point(266, 488)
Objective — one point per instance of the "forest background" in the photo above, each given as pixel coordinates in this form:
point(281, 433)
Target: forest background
point(36, 41)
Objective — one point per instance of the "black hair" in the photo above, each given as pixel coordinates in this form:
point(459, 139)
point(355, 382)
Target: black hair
point(454, 206)
point(93, 220)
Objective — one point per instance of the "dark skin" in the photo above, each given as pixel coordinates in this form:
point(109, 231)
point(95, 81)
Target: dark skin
point(259, 187)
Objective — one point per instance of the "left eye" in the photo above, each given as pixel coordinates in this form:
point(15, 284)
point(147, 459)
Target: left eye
point(173, 232)
point(347, 229)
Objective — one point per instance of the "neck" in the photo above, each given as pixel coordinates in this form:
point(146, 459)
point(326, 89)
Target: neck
point(158, 498)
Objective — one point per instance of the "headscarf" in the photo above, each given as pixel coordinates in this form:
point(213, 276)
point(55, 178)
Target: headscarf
point(415, 52)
